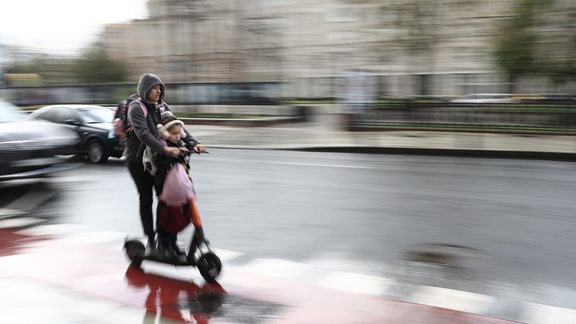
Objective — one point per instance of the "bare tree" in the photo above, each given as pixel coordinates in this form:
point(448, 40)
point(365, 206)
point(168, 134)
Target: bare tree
point(556, 49)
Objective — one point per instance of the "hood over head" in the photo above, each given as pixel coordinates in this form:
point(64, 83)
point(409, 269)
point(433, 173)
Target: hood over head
point(148, 81)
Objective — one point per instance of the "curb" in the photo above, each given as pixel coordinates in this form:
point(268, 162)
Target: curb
point(259, 122)
point(554, 156)
point(493, 154)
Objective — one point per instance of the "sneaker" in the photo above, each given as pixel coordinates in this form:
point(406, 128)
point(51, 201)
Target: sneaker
point(150, 247)
point(176, 249)
point(177, 255)
point(165, 252)
point(181, 257)
point(174, 254)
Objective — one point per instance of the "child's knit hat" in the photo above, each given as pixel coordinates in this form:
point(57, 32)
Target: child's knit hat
point(167, 122)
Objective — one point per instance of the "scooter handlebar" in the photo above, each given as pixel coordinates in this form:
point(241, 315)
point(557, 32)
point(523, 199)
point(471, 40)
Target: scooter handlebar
point(189, 152)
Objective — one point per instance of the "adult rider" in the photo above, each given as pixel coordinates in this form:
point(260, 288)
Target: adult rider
point(142, 133)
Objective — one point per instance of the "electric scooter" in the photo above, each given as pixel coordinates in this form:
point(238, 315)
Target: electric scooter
point(199, 253)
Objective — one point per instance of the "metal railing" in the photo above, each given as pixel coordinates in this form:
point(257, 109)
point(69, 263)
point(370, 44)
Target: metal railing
point(553, 117)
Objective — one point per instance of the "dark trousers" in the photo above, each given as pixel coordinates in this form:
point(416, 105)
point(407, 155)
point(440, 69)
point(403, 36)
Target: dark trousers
point(145, 185)
point(167, 240)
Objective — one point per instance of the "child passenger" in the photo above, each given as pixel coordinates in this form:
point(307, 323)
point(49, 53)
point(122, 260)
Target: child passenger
point(171, 130)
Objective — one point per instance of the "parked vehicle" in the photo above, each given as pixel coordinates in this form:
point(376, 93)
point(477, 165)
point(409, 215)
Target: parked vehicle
point(558, 98)
point(499, 98)
point(526, 98)
point(484, 98)
point(92, 123)
point(30, 148)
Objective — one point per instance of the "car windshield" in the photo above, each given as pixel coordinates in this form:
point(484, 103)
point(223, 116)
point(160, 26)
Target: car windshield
point(97, 115)
point(10, 113)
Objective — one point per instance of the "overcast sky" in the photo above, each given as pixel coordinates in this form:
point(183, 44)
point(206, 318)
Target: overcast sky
point(63, 26)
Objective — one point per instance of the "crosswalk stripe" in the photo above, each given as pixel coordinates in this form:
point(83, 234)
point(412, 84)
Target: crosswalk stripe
point(354, 282)
point(97, 237)
point(544, 314)
point(16, 292)
point(227, 255)
point(277, 268)
point(451, 299)
point(51, 230)
point(9, 212)
point(20, 222)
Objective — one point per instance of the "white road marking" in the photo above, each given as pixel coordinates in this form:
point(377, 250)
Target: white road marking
point(98, 237)
point(544, 314)
point(9, 212)
point(277, 268)
point(322, 165)
point(17, 294)
point(451, 299)
point(354, 282)
point(227, 255)
point(52, 230)
point(20, 222)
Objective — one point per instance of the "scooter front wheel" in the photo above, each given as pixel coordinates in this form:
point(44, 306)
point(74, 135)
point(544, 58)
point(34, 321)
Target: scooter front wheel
point(209, 265)
point(135, 251)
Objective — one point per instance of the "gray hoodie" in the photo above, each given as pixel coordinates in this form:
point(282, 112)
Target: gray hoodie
point(144, 125)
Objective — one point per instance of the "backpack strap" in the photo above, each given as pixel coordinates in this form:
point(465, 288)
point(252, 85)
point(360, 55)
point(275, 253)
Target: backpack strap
point(144, 110)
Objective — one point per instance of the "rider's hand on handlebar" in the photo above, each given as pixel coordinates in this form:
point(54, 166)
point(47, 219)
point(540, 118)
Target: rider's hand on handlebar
point(199, 148)
point(172, 151)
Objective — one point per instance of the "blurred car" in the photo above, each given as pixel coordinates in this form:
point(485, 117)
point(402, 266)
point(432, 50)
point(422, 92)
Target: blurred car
point(499, 98)
point(558, 98)
point(30, 148)
point(526, 98)
point(92, 123)
point(485, 98)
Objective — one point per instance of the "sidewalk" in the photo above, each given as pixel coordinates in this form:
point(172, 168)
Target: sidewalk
point(324, 133)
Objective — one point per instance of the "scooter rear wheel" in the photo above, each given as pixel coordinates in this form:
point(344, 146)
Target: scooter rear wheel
point(209, 265)
point(135, 251)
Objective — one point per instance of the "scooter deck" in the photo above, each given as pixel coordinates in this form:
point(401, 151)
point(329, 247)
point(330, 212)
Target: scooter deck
point(172, 261)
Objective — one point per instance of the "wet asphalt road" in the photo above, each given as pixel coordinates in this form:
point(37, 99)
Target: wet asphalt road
point(490, 226)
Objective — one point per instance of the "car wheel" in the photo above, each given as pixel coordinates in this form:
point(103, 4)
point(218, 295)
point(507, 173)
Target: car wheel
point(95, 152)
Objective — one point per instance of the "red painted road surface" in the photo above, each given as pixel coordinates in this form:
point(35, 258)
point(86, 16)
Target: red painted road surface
point(182, 295)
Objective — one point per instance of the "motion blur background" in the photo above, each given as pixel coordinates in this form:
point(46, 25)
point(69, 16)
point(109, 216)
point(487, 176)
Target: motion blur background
point(375, 64)
point(281, 49)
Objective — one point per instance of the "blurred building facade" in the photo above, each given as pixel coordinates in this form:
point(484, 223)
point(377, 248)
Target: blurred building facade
point(415, 47)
